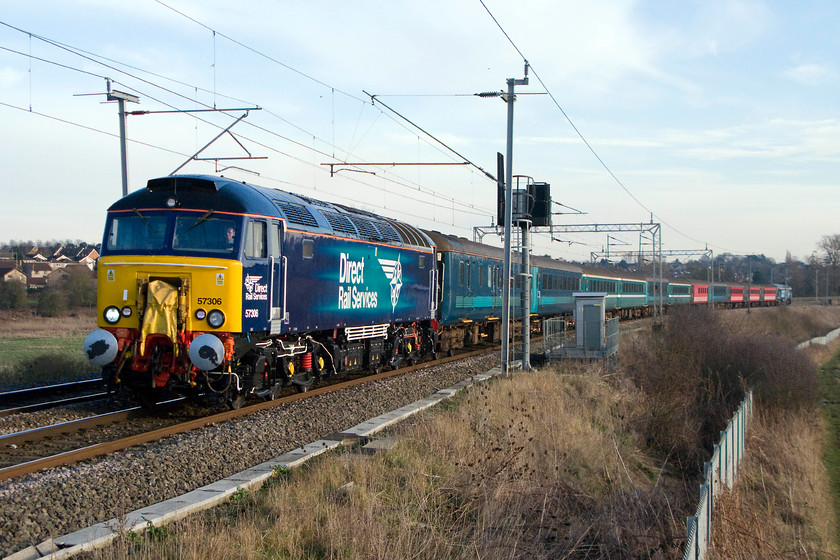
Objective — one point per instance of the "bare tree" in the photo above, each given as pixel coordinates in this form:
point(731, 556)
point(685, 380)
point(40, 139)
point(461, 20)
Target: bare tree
point(830, 244)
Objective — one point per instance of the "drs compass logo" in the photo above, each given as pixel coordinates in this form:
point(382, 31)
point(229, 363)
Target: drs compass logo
point(393, 271)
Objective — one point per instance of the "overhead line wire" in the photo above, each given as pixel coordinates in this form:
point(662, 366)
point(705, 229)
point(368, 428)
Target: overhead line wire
point(578, 132)
point(257, 52)
point(93, 58)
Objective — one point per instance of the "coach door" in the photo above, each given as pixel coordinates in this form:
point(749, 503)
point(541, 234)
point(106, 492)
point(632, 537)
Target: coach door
point(278, 277)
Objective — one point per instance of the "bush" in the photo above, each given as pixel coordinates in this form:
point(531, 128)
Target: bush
point(12, 295)
point(696, 370)
point(51, 303)
point(80, 287)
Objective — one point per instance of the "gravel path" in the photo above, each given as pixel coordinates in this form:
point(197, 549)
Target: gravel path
point(62, 500)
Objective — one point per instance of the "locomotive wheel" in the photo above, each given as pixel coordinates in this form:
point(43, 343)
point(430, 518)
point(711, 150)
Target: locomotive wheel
point(303, 381)
point(275, 391)
point(149, 396)
point(235, 402)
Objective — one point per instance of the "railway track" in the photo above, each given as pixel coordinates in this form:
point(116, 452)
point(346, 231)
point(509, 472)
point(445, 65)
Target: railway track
point(27, 452)
point(50, 396)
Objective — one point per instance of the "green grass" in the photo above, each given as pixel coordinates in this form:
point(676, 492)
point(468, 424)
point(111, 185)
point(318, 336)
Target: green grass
point(29, 361)
point(830, 388)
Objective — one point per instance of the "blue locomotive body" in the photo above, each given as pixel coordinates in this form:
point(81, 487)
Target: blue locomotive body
point(275, 288)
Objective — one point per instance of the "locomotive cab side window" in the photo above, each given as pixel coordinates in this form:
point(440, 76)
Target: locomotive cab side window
point(276, 236)
point(255, 242)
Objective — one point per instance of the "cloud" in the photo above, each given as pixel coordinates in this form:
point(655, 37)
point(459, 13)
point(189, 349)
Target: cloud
point(9, 78)
point(810, 74)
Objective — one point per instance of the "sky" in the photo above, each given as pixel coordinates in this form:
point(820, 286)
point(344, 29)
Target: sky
point(717, 119)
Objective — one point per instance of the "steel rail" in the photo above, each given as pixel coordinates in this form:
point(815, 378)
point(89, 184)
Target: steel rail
point(71, 426)
point(34, 392)
point(104, 448)
point(51, 404)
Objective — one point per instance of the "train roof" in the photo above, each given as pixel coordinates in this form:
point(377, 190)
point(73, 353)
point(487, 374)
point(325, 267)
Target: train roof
point(209, 192)
point(447, 243)
point(614, 273)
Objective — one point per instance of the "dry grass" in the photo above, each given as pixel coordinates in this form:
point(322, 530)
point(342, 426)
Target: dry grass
point(41, 350)
point(796, 323)
point(19, 324)
point(541, 466)
point(781, 506)
point(568, 464)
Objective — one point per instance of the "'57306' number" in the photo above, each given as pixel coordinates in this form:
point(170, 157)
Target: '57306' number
point(209, 301)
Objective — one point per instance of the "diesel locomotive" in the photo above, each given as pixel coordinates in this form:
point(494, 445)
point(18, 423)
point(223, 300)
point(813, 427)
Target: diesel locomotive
point(212, 286)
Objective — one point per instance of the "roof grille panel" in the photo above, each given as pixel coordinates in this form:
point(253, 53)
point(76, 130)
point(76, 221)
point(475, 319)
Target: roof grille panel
point(387, 232)
point(313, 201)
point(366, 229)
point(297, 213)
point(339, 223)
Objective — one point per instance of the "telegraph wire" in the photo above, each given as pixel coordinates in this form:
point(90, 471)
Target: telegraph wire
point(44, 60)
point(406, 119)
point(90, 128)
point(257, 52)
point(92, 57)
point(578, 132)
point(288, 67)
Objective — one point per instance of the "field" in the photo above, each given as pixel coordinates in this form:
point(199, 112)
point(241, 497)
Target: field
point(39, 350)
point(573, 461)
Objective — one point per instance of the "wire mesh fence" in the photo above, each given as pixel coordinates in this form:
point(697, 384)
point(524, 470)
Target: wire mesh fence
point(720, 473)
point(560, 342)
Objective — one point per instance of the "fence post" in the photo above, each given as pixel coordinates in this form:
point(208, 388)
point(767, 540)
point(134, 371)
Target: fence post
point(736, 436)
point(709, 479)
point(724, 460)
point(730, 443)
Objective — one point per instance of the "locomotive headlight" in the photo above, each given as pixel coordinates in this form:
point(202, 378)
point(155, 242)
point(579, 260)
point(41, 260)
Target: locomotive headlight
point(111, 314)
point(200, 314)
point(216, 318)
point(126, 311)
point(171, 202)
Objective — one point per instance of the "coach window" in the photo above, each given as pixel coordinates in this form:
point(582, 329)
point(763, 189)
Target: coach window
point(422, 261)
point(461, 273)
point(468, 276)
point(308, 248)
point(480, 276)
point(255, 243)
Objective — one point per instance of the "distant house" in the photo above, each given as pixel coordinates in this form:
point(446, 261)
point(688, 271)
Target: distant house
point(36, 273)
point(58, 277)
point(9, 272)
point(88, 257)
